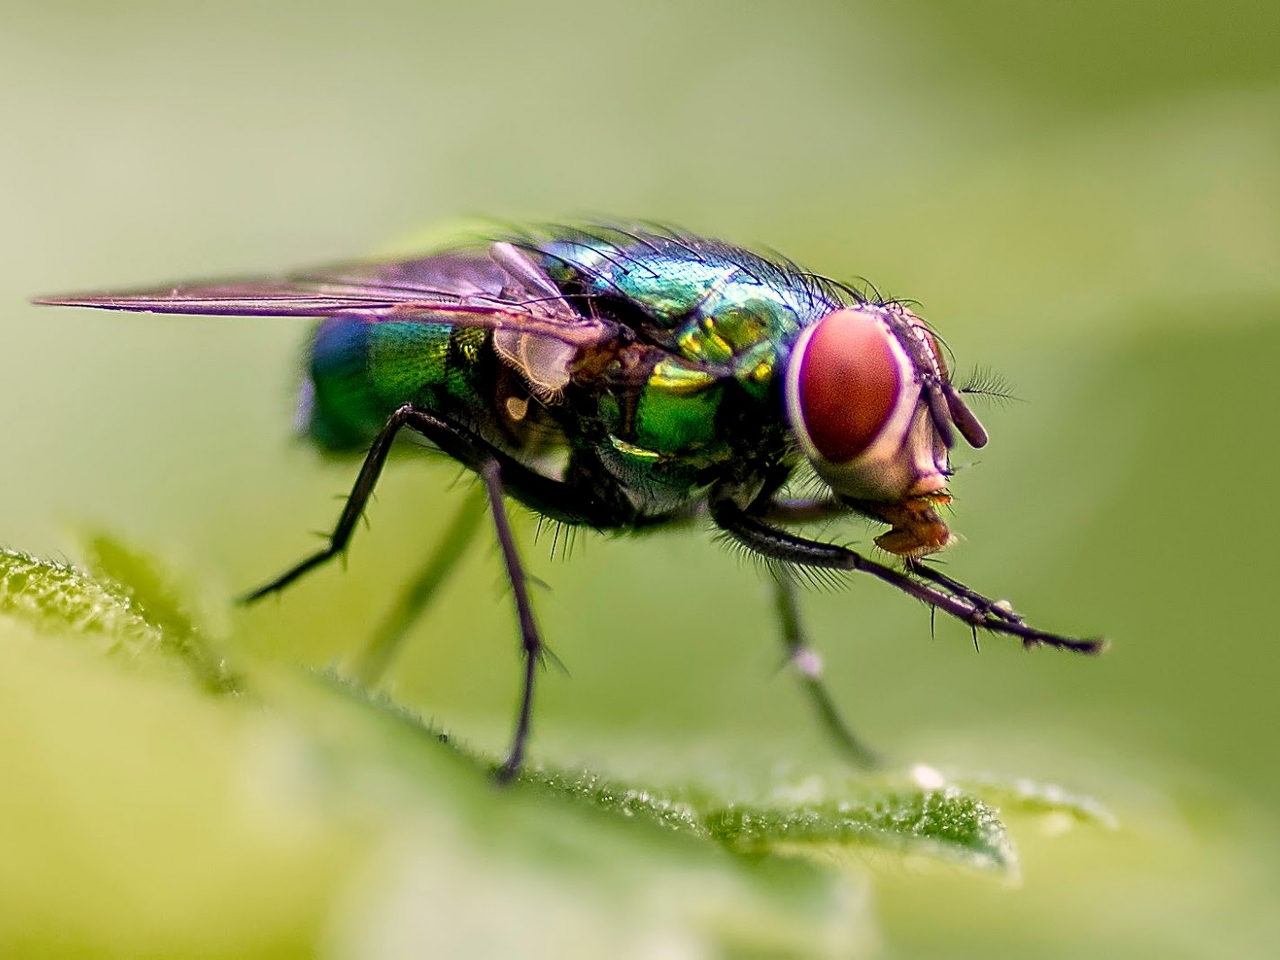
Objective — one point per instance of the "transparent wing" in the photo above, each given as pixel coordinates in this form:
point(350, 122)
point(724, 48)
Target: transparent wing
point(495, 289)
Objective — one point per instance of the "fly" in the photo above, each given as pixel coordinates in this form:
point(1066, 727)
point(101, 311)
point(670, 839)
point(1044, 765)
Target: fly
point(619, 380)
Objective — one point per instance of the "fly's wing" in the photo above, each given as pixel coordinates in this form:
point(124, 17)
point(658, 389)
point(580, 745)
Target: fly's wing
point(498, 289)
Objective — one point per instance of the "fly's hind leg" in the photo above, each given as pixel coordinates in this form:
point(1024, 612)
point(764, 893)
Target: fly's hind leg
point(804, 659)
point(374, 461)
point(497, 471)
point(531, 640)
point(421, 590)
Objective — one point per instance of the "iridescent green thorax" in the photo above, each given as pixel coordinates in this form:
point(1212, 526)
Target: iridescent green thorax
point(709, 303)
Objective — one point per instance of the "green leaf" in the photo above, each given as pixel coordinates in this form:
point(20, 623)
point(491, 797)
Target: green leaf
point(888, 812)
point(53, 596)
point(149, 592)
point(946, 823)
point(759, 869)
point(128, 608)
point(1025, 795)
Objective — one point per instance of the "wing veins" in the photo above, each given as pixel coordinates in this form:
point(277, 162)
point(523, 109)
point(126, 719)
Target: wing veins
point(318, 296)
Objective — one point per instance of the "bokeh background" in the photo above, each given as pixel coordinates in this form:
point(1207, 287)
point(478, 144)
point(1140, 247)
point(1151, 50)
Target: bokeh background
point(1083, 196)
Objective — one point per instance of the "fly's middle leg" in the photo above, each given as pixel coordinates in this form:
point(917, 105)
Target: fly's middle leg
point(804, 660)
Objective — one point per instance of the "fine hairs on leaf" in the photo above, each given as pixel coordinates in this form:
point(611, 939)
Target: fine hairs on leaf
point(57, 597)
point(150, 589)
point(124, 602)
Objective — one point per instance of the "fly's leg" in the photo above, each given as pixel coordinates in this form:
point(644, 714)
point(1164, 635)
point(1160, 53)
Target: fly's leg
point(495, 467)
point(556, 497)
point(374, 461)
point(462, 446)
point(386, 641)
point(968, 607)
point(805, 660)
point(491, 474)
point(810, 511)
point(998, 608)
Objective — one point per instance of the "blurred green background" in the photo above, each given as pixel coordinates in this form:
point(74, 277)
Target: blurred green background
point(1084, 196)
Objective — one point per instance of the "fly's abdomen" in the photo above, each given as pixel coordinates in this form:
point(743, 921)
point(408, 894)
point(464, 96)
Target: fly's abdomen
point(362, 370)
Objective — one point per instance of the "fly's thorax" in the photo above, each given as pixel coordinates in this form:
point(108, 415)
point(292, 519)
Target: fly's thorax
point(869, 401)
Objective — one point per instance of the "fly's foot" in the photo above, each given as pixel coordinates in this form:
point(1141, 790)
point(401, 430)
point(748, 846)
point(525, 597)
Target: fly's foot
point(997, 616)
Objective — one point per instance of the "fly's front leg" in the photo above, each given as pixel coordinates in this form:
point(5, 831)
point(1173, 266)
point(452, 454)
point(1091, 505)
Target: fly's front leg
point(810, 511)
point(806, 663)
point(1000, 609)
point(967, 606)
point(828, 508)
point(374, 461)
point(386, 642)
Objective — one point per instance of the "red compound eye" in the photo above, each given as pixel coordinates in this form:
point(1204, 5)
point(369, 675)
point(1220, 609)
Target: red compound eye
point(847, 385)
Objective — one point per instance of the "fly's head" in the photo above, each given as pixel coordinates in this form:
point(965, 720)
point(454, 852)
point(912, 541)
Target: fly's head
point(870, 400)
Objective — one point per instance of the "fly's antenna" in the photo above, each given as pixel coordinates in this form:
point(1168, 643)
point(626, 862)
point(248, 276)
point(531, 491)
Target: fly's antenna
point(985, 382)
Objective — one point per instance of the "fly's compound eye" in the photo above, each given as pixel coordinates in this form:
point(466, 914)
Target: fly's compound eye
point(845, 383)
